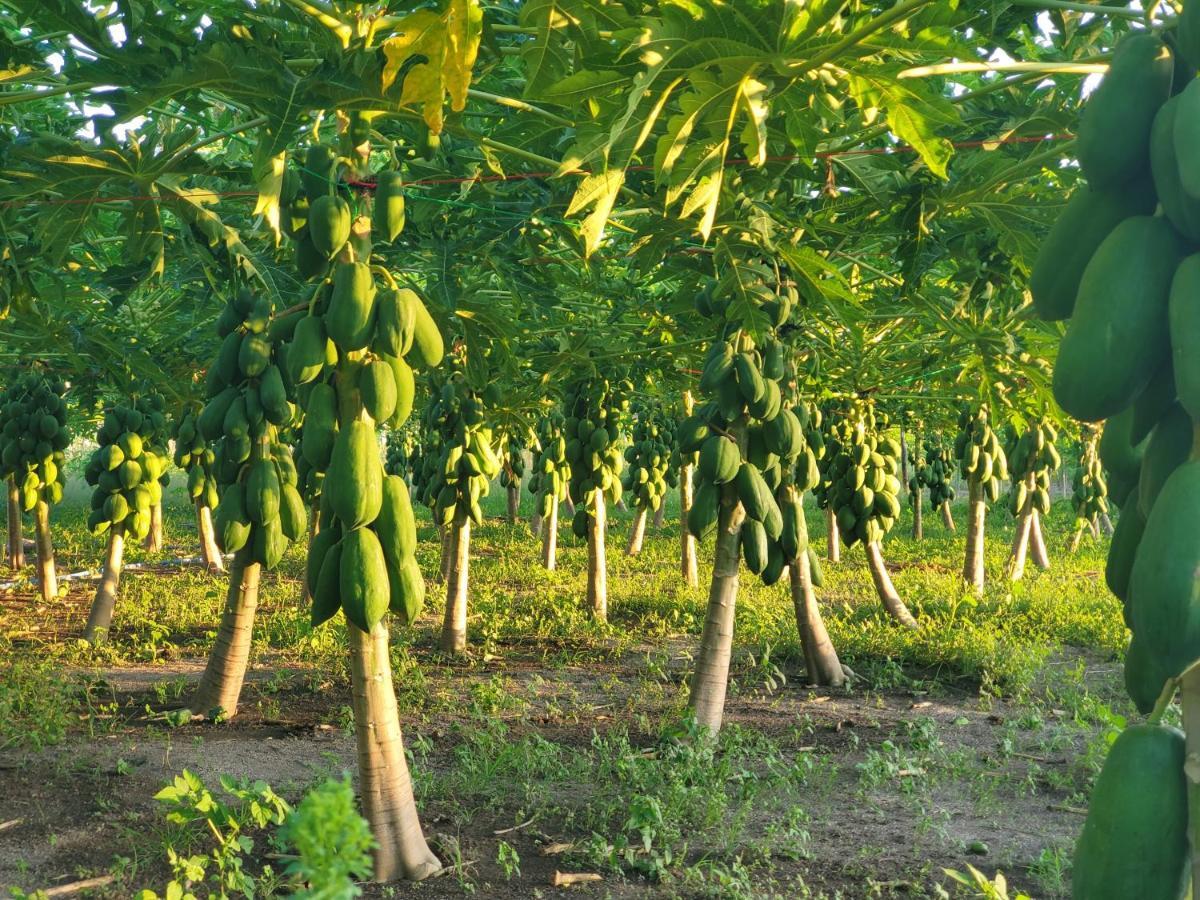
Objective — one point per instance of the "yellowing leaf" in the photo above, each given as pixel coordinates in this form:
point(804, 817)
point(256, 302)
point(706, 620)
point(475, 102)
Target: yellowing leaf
point(436, 52)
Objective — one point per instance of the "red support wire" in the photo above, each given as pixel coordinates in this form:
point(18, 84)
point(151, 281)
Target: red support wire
point(828, 155)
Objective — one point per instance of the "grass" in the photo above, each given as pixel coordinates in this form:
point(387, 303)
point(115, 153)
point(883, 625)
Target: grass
point(578, 726)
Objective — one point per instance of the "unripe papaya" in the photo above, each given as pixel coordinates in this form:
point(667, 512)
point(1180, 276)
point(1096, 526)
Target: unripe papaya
point(320, 169)
point(1134, 841)
point(719, 459)
point(363, 579)
point(1163, 596)
point(377, 385)
point(329, 221)
point(406, 389)
point(388, 212)
point(1118, 334)
point(706, 505)
point(327, 598)
point(262, 492)
point(396, 524)
point(230, 521)
point(320, 426)
point(754, 546)
point(1181, 209)
point(310, 262)
point(306, 357)
point(254, 355)
point(269, 543)
point(293, 515)
point(1167, 449)
point(273, 397)
point(354, 482)
point(427, 345)
point(351, 314)
point(407, 587)
point(1184, 318)
point(1113, 139)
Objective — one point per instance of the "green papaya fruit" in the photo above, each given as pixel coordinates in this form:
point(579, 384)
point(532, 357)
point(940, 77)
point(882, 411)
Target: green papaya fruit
point(319, 171)
point(388, 213)
point(1144, 680)
point(1164, 598)
point(753, 492)
point(327, 597)
point(363, 579)
point(1186, 134)
point(395, 322)
point(1118, 334)
point(1112, 142)
point(269, 543)
point(1168, 448)
point(320, 426)
point(1087, 219)
point(1181, 209)
point(706, 506)
point(329, 220)
point(254, 355)
point(1134, 841)
point(1152, 403)
point(354, 481)
point(406, 390)
point(816, 573)
point(351, 315)
point(754, 546)
point(427, 347)
point(293, 515)
point(273, 397)
point(310, 262)
point(306, 357)
point(407, 587)
point(262, 492)
point(396, 524)
point(230, 522)
point(1184, 319)
point(719, 459)
point(377, 385)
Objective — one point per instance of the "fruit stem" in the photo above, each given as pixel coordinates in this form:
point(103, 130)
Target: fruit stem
point(1190, 689)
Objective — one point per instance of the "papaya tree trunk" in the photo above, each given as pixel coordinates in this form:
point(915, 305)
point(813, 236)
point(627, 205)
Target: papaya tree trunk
point(105, 601)
point(384, 780)
point(918, 530)
point(1076, 538)
point(904, 460)
point(154, 537)
point(973, 570)
point(550, 539)
point(1094, 527)
point(220, 686)
point(710, 680)
point(447, 553)
point(454, 624)
point(660, 514)
point(47, 575)
point(16, 536)
point(514, 503)
point(570, 505)
point(1038, 542)
point(820, 656)
point(833, 539)
point(689, 567)
point(948, 516)
point(637, 532)
point(210, 553)
point(886, 590)
point(1106, 524)
point(314, 528)
point(1020, 546)
point(597, 574)
point(536, 522)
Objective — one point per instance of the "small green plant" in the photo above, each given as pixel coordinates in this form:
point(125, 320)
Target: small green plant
point(509, 860)
point(332, 843)
point(981, 887)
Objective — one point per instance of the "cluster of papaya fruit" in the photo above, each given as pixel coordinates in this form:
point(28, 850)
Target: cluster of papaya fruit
point(457, 462)
point(1032, 458)
point(594, 407)
point(512, 472)
point(551, 471)
point(859, 479)
point(125, 470)
point(34, 438)
point(315, 211)
point(401, 450)
point(934, 473)
point(744, 434)
point(800, 472)
point(648, 459)
point(1089, 493)
point(980, 456)
point(249, 405)
point(1128, 287)
point(194, 456)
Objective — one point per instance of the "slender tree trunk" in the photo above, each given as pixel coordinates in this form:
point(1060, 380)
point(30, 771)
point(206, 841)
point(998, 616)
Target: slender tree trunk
point(688, 564)
point(47, 575)
point(550, 539)
point(570, 505)
point(597, 574)
point(447, 553)
point(710, 681)
point(1094, 527)
point(660, 514)
point(314, 528)
point(885, 588)
point(637, 532)
point(454, 625)
point(221, 684)
point(16, 536)
point(820, 656)
point(904, 460)
point(973, 569)
point(384, 780)
point(210, 553)
point(154, 537)
point(1020, 546)
point(1038, 543)
point(948, 516)
point(918, 531)
point(535, 521)
point(514, 503)
point(1106, 524)
point(833, 538)
point(100, 617)
point(1076, 538)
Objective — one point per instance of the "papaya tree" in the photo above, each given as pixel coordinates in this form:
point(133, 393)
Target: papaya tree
point(1089, 488)
point(194, 456)
point(33, 439)
point(982, 463)
point(550, 482)
point(1031, 462)
point(647, 468)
